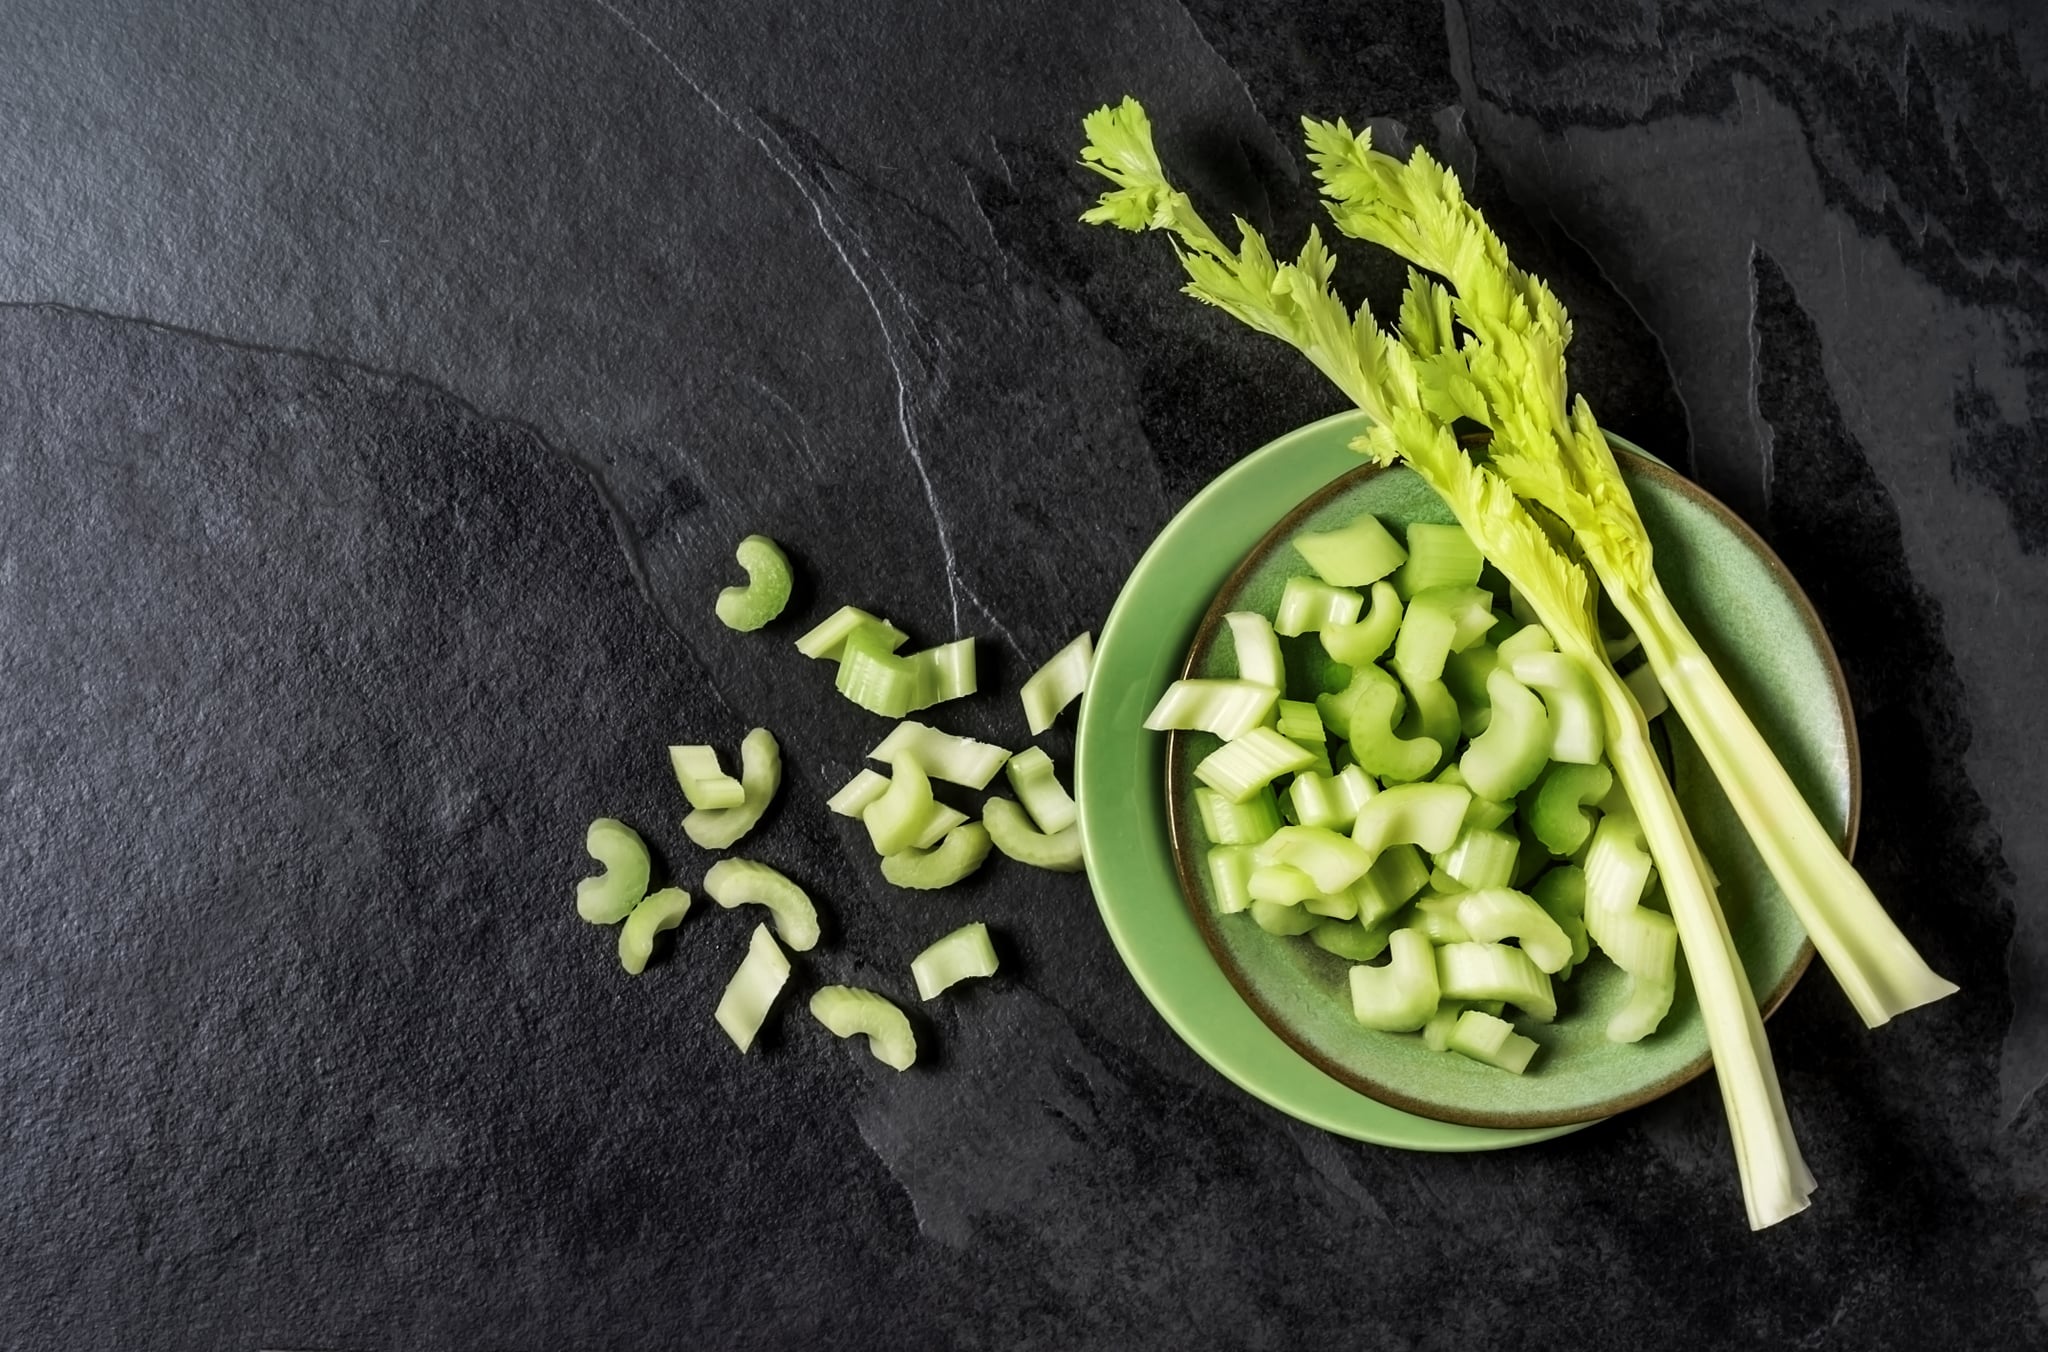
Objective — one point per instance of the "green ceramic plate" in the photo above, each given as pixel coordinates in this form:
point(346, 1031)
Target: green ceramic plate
point(1265, 1011)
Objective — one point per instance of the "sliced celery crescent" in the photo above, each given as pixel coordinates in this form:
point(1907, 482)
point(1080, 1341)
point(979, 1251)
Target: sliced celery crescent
point(611, 895)
point(1038, 788)
point(946, 863)
point(957, 760)
point(751, 993)
point(1058, 683)
point(760, 777)
point(702, 781)
point(1407, 384)
point(742, 882)
point(767, 590)
point(657, 911)
point(1011, 831)
point(965, 953)
point(849, 1011)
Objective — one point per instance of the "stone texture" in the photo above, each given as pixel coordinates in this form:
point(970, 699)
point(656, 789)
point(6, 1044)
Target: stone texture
point(382, 388)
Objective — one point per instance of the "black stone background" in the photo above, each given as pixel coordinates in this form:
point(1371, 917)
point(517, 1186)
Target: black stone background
point(382, 388)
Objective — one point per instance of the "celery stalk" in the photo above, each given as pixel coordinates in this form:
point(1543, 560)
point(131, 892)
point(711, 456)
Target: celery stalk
point(1011, 831)
point(768, 583)
point(611, 895)
point(1258, 650)
point(751, 993)
point(742, 882)
point(1058, 683)
point(942, 755)
point(964, 954)
point(656, 912)
point(849, 1011)
point(1038, 788)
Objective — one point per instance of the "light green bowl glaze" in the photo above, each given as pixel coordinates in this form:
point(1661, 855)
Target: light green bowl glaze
point(1272, 1013)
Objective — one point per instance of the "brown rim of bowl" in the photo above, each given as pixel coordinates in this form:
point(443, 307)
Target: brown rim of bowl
point(1179, 828)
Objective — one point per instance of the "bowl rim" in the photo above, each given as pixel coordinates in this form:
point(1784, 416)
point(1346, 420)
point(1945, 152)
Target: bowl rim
point(1182, 841)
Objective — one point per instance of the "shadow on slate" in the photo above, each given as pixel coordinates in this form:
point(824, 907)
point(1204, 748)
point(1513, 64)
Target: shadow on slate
point(317, 678)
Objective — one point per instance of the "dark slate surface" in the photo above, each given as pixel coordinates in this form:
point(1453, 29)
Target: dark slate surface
point(381, 389)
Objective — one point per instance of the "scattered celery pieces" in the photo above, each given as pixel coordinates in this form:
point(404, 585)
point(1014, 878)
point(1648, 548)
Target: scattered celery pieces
point(611, 896)
point(957, 760)
point(702, 781)
point(958, 855)
point(965, 953)
point(750, 995)
point(768, 583)
point(657, 911)
point(1356, 555)
point(1011, 831)
point(1038, 788)
point(849, 1011)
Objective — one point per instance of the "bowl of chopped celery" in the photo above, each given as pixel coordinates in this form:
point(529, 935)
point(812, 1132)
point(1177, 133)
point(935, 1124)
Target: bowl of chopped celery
point(1394, 864)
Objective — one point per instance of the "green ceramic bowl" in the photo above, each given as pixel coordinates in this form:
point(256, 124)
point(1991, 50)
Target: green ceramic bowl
point(1271, 1013)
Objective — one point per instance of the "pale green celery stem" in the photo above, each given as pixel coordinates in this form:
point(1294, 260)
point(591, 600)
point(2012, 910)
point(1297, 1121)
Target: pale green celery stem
point(1775, 1181)
point(1878, 967)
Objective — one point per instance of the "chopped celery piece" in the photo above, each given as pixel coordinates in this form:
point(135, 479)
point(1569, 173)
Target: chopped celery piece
point(964, 954)
point(1578, 730)
point(1438, 556)
point(898, 817)
point(1350, 939)
point(1491, 1040)
point(1559, 814)
point(1354, 555)
point(1398, 874)
point(1258, 650)
point(1058, 683)
point(1436, 917)
point(1649, 693)
point(1364, 713)
point(957, 760)
point(1010, 828)
point(1561, 892)
point(751, 992)
point(702, 782)
point(853, 798)
point(1486, 814)
point(1246, 823)
point(943, 673)
point(1530, 638)
point(1230, 874)
point(1640, 941)
point(767, 591)
point(1436, 1034)
point(1400, 996)
point(1432, 714)
point(1441, 881)
point(1480, 971)
point(1238, 769)
point(1481, 858)
point(939, 819)
point(1357, 644)
point(1334, 905)
point(1038, 788)
point(878, 681)
point(1298, 721)
point(1507, 757)
point(1438, 622)
point(742, 882)
point(847, 1011)
point(1465, 676)
point(827, 642)
point(1283, 920)
point(657, 911)
point(1429, 815)
point(1490, 914)
point(1229, 709)
point(610, 896)
point(760, 775)
point(1307, 605)
point(1281, 885)
point(1334, 861)
point(1330, 800)
point(958, 855)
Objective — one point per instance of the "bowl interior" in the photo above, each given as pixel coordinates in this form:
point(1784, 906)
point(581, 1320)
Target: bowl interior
point(1761, 632)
